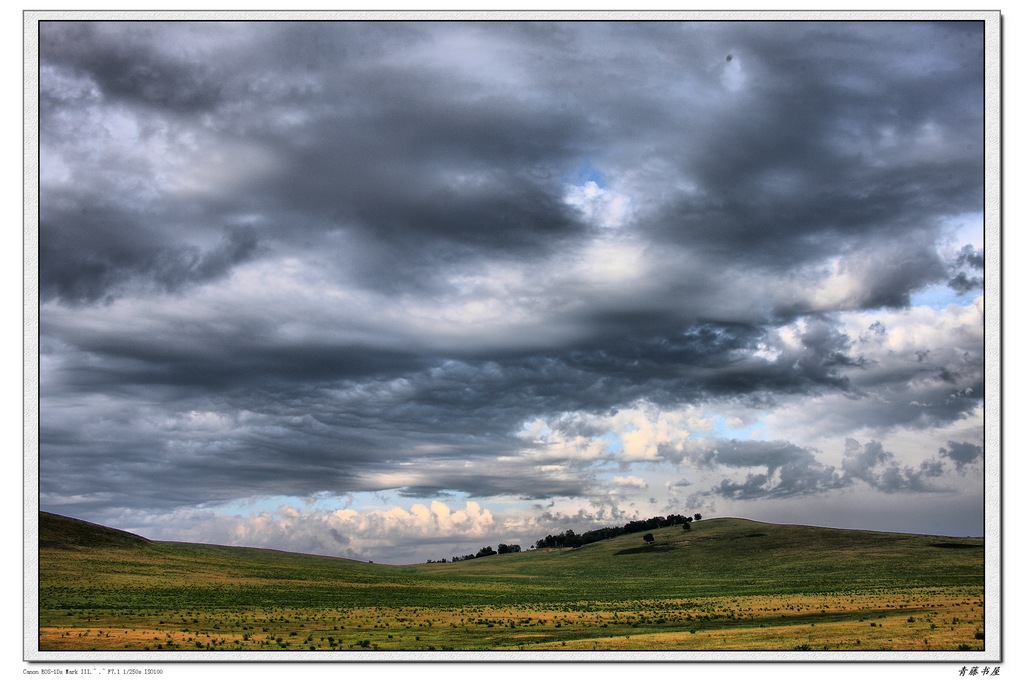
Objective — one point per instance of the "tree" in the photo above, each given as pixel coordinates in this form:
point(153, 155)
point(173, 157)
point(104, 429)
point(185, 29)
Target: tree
point(697, 517)
point(649, 538)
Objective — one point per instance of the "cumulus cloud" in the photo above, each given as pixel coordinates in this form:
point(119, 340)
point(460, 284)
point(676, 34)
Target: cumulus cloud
point(630, 482)
point(349, 533)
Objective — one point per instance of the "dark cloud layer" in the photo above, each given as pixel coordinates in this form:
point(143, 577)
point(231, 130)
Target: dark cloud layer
point(296, 258)
point(877, 467)
point(962, 454)
point(790, 470)
point(425, 162)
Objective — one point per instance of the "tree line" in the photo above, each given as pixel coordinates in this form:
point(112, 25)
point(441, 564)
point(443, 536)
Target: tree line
point(570, 539)
point(484, 551)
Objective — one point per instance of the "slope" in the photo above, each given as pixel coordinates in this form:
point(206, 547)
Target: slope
point(727, 583)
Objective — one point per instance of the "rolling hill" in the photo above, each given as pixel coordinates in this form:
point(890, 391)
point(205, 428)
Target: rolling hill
point(726, 573)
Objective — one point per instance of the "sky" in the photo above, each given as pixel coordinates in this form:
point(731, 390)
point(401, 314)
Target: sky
point(398, 291)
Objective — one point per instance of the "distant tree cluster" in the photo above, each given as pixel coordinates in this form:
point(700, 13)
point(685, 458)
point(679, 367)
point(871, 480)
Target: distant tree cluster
point(485, 551)
point(571, 539)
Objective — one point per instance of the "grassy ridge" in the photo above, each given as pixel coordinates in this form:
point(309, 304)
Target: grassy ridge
point(736, 574)
point(717, 557)
point(61, 532)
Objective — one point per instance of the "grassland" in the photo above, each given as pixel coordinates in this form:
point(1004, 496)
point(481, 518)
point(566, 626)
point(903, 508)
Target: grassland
point(727, 584)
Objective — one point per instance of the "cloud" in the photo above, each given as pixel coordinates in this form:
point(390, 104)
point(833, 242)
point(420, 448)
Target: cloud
point(962, 454)
point(138, 66)
point(339, 532)
point(600, 206)
point(968, 258)
point(630, 482)
point(878, 468)
point(533, 262)
point(789, 470)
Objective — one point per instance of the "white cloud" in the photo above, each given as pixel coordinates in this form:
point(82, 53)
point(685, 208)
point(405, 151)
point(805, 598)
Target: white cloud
point(394, 535)
point(602, 207)
point(640, 432)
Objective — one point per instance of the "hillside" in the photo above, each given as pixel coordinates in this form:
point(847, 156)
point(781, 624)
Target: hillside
point(714, 572)
point(63, 532)
point(719, 556)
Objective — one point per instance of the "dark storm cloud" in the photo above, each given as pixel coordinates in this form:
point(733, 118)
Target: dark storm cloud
point(86, 274)
point(969, 256)
point(404, 140)
point(428, 167)
point(130, 65)
point(822, 359)
point(793, 471)
point(929, 392)
point(618, 366)
point(331, 418)
point(820, 126)
point(703, 362)
point(967, 259)
point(879, 468)
point(236, 246)
point(329, 437)
point(258, 243)
point(338, 438)
point(962, 454)
point(790, 470)
point(514, 482)
point(408, 153)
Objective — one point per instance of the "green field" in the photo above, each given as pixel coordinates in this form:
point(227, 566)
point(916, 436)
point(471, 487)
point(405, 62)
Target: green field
point(727, 584)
